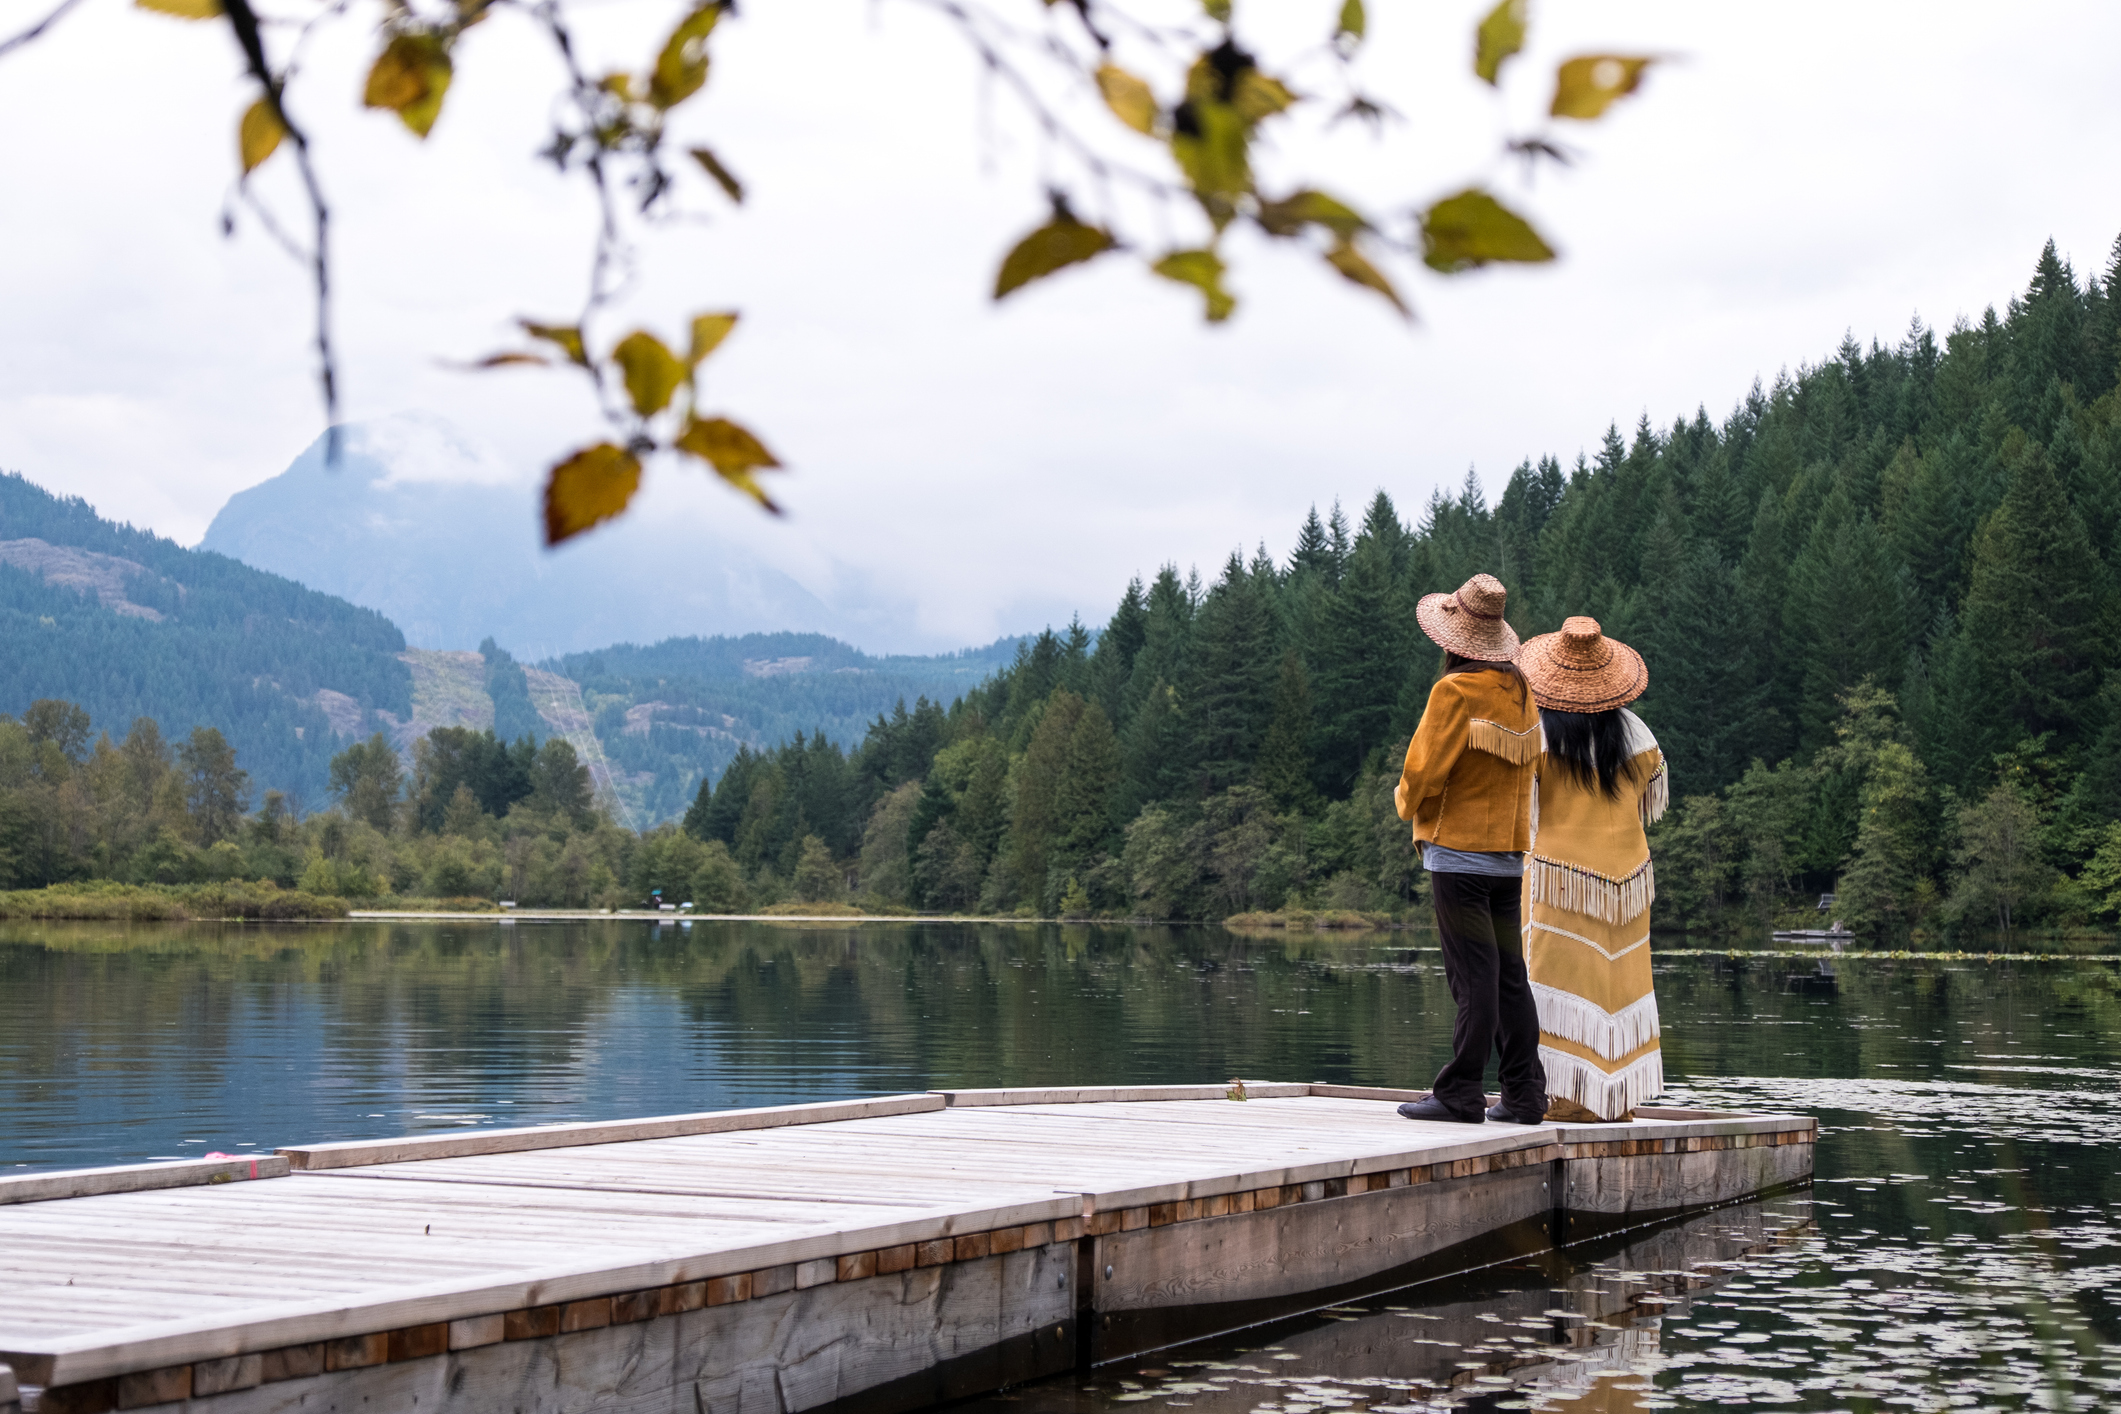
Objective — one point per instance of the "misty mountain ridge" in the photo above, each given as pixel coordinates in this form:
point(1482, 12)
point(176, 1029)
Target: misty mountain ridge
point(418, 523)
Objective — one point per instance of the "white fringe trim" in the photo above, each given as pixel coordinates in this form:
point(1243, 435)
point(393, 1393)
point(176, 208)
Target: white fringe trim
point(1610, 1033)
point(1607, 1096)
point(1595, 946)
point(1578, 890)
point(1535, 806)
point(1657, 796)
point(1517, 748)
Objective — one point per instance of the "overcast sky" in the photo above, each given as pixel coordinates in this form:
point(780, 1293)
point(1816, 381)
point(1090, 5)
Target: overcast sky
point(1797, 171)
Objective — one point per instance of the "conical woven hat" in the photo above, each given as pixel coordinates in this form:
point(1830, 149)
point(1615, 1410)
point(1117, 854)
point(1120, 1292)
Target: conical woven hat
point(1470, 623)
point(1581, 670)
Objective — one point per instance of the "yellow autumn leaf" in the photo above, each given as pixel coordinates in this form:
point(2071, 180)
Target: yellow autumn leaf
point(1131, 100)
point(258, 134)
point(1354, 266)
point(1472, 228)
point(1584, 87)
point(409, 78)
point(1218, 10)
point(1288, 216)
point(183, 9)
point(723, 177)
point(733, 452)
point(566, 336)
point(1061, 242)
point(591, 486)
point(1202, 269)
point(507, 357)
point(653, 373)
point(681, 69)
point(1498, 36)
point(708, 331)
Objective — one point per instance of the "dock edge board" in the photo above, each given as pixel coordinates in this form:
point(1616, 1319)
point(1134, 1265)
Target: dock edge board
point(138, 1178)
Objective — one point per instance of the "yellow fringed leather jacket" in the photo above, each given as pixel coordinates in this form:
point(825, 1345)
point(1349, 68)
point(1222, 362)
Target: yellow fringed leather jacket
point(1467, 781)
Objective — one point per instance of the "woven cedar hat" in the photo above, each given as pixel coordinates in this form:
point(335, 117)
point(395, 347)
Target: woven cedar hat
point(1581, 670)
point(1470, 623)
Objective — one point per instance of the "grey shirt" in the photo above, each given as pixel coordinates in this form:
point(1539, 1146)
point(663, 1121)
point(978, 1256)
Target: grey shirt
point(1507, 864)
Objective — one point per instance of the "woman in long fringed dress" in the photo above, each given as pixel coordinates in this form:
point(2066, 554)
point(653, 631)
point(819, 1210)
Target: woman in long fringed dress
point(1588, 879)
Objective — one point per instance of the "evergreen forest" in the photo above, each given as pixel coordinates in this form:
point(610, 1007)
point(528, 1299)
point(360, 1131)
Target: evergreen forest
point(1877, 599)
point(126, 624)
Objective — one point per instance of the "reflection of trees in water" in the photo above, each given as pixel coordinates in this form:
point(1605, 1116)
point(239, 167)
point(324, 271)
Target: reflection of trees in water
point(568, 1020)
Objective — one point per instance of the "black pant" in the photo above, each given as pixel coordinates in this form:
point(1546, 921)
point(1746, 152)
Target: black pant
point(1483, 959)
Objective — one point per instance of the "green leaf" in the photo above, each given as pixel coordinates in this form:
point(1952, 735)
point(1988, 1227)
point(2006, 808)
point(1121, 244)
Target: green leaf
point(1061, 242)
point(1355, 266)
point(708, 331)
point(1255, 96)
point(409, 78)
point(723, 177)
point(1584, 87)
point(1472, 228)
point(681, 69)
point(591, 486)
point(183, 9)
point(1217, 10)
point(1498, 36)
point(1353, 23)
point(1213, 149)
point(566, 336)
point(1132, 101)
point(733, 453)
point(1291, 214)
point(653, 372)
point(258, 134)
point(1202, 269)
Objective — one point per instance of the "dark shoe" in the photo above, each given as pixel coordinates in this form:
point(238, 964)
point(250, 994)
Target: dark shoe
point(1501, 1115)
point(1429, 1107)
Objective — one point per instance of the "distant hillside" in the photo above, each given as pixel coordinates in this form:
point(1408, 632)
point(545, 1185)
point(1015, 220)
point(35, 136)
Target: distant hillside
point(128, 624)
point(665, 715)
point(415, 523)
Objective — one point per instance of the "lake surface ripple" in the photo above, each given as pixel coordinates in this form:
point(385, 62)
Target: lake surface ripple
point(1961, 1249)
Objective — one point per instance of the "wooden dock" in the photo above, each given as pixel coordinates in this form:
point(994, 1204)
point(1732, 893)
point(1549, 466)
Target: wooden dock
point(883, 1253)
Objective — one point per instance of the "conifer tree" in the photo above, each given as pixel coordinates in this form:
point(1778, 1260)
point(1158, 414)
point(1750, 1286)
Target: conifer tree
point(2032, 605)
point(2046, 346)
point(1314, 553)
point(1112, 664)
point(1359, 664)
point(1846, 614)
point(1229, 692)
point(1284, 770)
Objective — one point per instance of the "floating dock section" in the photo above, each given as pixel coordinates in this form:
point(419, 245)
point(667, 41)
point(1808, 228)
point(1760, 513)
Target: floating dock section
point(877, 1254)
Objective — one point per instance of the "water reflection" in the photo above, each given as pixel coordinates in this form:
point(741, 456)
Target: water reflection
point(1961, 1250)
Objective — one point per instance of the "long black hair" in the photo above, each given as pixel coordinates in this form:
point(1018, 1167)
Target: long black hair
point(1457, 663)
point(1590, 747)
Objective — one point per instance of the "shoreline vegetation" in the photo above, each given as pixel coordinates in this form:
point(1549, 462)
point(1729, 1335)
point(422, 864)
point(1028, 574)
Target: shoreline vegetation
point(102, 901)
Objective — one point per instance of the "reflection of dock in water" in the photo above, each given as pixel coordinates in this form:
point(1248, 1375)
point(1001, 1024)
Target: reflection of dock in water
point(1563, 1323)
point(904, 1249)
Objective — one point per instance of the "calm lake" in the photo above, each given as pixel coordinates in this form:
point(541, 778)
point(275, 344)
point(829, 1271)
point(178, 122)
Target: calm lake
point(1960, 1250)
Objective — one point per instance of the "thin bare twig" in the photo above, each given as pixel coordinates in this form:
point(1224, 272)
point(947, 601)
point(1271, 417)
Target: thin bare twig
point(36, 31)
point(244, 21)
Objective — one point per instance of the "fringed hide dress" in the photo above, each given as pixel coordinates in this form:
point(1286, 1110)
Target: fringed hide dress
point(1587, 890)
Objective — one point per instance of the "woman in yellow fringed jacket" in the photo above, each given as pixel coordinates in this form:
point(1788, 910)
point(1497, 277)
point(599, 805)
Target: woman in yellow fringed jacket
point(1588, 883)
point(1467, 786)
